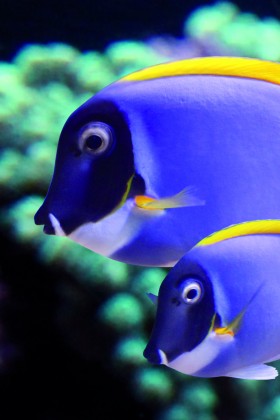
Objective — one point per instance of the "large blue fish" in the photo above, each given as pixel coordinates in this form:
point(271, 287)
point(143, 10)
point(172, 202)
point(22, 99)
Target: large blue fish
point(218, 310)
point(160, 159)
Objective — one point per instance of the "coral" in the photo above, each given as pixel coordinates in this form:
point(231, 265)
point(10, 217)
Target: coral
point(128, 351)
point(122, 312)
point(208, 20)
point(176, 412)
point(154, 384)
point(40, 65)
point(199, 397)
point(129, 56)
point(92, 71)
point(224, 28)
point(272, 411)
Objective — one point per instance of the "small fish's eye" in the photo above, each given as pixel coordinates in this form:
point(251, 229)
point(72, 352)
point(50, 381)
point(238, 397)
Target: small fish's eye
point(96, 138)
point(191, 292)
point(94, 142)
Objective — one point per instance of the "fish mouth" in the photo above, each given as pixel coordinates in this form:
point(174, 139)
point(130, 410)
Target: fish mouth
point(54, 227)
point(157, 357)
point(163, 357)
point(49, 230)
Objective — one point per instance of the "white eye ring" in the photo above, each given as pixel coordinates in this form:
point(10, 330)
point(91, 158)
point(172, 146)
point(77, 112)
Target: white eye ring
point(192, 292)
point(96, 138)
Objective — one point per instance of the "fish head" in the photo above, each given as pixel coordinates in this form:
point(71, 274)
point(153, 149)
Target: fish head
point(93, 169)
point(185, 313)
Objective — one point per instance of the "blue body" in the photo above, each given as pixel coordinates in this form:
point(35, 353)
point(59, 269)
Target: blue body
point(243, 274)
point(219, 134)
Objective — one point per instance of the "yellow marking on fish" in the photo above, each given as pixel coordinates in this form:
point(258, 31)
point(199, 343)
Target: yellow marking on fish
point(233, 327)
point(254, 227)
point(128, 186)
point(185, 198)
point(125, 195)
point(143, 201)
point(212, 326)
point(250, 68)
point(224, 330)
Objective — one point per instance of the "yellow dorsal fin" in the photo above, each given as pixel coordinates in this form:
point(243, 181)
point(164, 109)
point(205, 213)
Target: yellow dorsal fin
point(255, 227)
point(219, 66)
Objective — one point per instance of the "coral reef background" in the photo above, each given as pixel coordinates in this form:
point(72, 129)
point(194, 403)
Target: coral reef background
point(73, 325)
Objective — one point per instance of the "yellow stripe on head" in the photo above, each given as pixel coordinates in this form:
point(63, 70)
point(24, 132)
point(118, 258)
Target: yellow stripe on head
point(268, 71)
point(255, 227)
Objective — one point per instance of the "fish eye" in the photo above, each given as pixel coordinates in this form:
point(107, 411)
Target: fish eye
point(191, 291)
point(96, 138)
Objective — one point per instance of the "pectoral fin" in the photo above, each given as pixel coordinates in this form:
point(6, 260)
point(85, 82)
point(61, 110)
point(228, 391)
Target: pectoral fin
point(233, 327)
point(185, 198)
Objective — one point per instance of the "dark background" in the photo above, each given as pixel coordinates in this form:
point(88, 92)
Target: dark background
point(92, 24)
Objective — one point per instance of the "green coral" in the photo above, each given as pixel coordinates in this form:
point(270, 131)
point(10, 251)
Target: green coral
point(147, 281)
point(42, 64)
point(129, 56)
point(237, 33)
point(200, 398)
point(38, 91)
point(272, 411)
point(175, 412)
point(208, 20)
point(122, 312)
point(92, 71)
point(154, 384)
point(20, 219)
point(129, 351)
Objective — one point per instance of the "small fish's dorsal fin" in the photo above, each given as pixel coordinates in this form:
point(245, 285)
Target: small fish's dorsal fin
point(257, 372)
point(153, 298)
point(250, 68)
point(254, 227)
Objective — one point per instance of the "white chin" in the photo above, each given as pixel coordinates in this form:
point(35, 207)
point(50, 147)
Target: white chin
point(56, 225)
point(202, 355)
point(111, 233)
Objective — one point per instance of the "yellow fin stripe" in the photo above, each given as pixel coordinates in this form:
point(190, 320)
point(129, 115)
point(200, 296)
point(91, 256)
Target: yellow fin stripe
point(223, 66)
point(233, 326)
point(255, 227)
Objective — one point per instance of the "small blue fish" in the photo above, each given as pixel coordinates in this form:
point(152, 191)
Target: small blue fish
point(218, 310)
point(158, 160)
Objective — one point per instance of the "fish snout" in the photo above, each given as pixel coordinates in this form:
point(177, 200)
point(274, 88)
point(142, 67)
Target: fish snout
point(155, 356)
point(42, 218)
point(50, 222)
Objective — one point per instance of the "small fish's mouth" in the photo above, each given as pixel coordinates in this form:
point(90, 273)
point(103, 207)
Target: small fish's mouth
point(157, 357)
point(54, 227)
point(49, 229)
point(163, 357)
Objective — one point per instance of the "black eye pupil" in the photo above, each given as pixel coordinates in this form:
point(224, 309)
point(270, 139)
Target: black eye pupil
point(94, 142)
point(192, 294)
